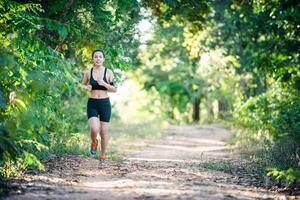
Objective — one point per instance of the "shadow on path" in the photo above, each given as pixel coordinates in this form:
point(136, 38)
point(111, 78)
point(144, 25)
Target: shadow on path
point(183, 165)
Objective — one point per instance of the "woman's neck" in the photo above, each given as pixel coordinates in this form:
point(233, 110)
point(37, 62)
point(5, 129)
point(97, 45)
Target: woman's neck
point(98, 66)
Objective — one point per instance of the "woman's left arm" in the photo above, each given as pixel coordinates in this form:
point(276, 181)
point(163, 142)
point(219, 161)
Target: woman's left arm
point(111, 86)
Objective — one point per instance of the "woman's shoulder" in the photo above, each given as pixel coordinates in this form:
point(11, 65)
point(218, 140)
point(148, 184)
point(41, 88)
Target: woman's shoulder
point(109, 71)
point(88, 70)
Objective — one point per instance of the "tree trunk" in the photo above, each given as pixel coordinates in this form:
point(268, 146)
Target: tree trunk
point(222, 108)
point(196, 110)
point(210, 108)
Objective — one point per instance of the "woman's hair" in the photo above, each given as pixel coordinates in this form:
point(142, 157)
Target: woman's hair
point(98, 50)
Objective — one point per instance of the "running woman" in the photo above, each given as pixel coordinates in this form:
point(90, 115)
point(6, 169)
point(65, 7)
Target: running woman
point(99, 80)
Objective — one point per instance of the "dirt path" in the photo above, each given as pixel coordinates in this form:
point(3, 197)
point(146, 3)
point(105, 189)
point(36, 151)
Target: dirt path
point(179, 166)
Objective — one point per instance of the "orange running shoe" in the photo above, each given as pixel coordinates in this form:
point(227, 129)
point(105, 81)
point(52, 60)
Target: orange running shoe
point(103, 161)
point(93, 150)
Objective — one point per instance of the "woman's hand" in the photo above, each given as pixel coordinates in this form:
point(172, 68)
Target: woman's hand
point(88, 88)
point(102, 82)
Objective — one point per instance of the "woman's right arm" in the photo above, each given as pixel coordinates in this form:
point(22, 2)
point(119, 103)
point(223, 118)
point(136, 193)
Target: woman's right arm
point(85, 81)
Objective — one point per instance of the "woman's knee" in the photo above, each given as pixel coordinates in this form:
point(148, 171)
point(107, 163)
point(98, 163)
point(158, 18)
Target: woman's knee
point(94, 125)
point(104, 131)
point(95, 129)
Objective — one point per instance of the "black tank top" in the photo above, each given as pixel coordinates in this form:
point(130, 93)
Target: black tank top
point(94, 83)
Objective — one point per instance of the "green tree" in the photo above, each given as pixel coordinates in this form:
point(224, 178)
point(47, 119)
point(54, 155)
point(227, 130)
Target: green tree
point(172, 73)
point(45, 46)
point(262, 37)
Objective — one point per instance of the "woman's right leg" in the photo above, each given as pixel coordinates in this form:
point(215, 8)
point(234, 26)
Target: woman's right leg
point(94, 130)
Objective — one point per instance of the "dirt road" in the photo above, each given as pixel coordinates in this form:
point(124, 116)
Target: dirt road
point(183, 165)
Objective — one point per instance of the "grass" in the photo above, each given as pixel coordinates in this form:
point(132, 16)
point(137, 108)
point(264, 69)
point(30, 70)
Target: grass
point(264, 154)
point(244, 167)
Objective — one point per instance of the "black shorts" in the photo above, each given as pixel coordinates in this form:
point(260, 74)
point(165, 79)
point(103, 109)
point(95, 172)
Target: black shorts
point(99, 108)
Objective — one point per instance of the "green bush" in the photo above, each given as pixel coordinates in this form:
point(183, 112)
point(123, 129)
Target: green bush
point(271, 123)
point(285, 177)
point(44, 50)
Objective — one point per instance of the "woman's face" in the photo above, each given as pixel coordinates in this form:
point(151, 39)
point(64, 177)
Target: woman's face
point(98, 58)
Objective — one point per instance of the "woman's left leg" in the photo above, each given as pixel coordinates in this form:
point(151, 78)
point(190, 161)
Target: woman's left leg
point(105, 114)
point(104, 138)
